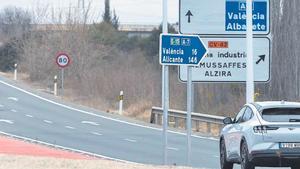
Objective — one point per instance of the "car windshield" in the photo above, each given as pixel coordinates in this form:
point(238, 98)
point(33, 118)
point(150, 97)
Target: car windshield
point(281, 114)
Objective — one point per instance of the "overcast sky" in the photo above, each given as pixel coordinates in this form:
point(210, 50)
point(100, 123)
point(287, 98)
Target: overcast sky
point(129, 11)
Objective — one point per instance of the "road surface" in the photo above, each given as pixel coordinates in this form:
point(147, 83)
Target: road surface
point(28, 115)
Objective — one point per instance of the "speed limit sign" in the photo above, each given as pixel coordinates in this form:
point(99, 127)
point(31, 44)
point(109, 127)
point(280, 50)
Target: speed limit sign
point(63, 60)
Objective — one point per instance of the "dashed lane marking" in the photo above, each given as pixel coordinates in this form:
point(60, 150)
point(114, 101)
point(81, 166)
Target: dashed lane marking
point(6, 121)
point(90, 122)
point(47, 121)
point(13, 99)
point(96, 133)
point(173, 148)
point(28, 115)
point(70, 127)
point(130, 140)
point(13, 110)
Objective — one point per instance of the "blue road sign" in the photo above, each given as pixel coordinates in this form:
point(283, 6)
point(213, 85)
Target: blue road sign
point(181, 49)
point(235, 16)
point(222, 17)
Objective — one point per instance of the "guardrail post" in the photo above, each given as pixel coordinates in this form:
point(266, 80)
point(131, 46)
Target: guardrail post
point(15, 71)
point(197, 125)
point(208, 128)
point(176, 120)
point(55, 86)
point(121, 97)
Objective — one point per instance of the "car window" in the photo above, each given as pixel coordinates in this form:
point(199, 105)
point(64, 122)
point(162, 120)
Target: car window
point(248, 114)
point(281, 114)
point(239, 116)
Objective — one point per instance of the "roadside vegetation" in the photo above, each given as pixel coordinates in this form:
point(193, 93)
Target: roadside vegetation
point(105, 61)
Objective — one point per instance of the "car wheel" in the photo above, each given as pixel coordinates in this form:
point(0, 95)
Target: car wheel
point(223, 161)
point(245, 163)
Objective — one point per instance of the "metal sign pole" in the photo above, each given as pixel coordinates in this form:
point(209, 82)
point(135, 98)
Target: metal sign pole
point(189, 114)
point(165, 88)
point(62, 82)
point(250, 74)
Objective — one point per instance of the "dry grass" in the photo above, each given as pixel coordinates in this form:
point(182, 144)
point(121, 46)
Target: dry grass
point(24, 162)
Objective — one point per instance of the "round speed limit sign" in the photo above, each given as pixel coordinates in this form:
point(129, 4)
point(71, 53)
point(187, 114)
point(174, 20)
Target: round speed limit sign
point(63, 60)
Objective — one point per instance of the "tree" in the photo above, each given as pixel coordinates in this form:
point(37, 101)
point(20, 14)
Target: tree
point(151, 44)
point(115, 21)
point(107, 17)
point(8, 56)
point(107, 14)
point(15, 23)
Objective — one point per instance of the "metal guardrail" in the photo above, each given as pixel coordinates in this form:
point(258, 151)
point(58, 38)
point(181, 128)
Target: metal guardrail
point(210, 124)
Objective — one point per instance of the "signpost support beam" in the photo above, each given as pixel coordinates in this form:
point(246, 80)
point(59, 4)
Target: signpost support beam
point(165, 88)
point(250, 74)
point(62, 82)
point(189, 114)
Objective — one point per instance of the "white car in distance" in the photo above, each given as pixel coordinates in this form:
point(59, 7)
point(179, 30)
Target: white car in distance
point(265, 134)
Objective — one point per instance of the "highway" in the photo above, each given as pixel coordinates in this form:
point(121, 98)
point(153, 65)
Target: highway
point(36, 116)
point(28, 115)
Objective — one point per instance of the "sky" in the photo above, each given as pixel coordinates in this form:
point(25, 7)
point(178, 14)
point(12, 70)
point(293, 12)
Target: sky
point(129, 11)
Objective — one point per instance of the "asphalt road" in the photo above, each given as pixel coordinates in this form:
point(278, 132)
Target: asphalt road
point(28, 115)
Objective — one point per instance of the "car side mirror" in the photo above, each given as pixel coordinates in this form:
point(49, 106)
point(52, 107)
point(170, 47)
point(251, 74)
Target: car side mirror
point(227, 120)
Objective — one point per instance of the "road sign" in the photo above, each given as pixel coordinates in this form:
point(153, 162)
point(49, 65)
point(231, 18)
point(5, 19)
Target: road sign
point(222, 17)
point(181, 49)
point(226, 61)
point(63, 60)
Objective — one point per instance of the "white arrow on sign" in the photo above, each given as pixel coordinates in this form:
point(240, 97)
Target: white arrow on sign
point(226, 17)
point(226, 61)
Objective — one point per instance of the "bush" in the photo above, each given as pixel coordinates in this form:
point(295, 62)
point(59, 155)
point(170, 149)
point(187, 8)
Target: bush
point(8, 56)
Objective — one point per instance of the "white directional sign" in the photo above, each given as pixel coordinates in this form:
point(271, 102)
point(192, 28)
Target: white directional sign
point(227, 17)
point(226, 61)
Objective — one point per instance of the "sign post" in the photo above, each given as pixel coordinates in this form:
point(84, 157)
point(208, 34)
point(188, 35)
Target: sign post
point(62, 60)
point(186, 50)
point(165, 88)
point(250, 74)
point(189, 115)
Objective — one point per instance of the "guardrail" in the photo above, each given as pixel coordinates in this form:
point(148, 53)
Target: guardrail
point(210, 124)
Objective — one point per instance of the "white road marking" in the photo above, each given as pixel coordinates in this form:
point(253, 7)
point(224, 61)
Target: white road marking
point(100, 116)
point(6, 121)
point(216, 156)
point(70, 127)
point(172, 148)
point(47, 121)
point(130, 140)
point(13, 98)
point(13, 110)
point(96, 133)
point(90, 122)
point(1, 105)
point(28, 115)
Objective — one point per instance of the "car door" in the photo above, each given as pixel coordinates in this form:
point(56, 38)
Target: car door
point(243, 128)
point(233, 134)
